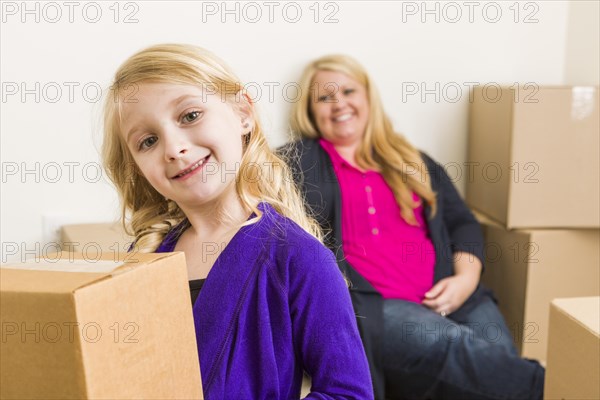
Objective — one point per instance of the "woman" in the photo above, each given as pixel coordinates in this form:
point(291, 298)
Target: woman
point(407, 243)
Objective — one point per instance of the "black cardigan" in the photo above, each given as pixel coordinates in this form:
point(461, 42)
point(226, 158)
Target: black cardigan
point(453, 228)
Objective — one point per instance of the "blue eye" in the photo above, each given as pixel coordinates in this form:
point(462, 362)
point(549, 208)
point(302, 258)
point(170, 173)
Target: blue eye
point(191, 116)
point(147, 142)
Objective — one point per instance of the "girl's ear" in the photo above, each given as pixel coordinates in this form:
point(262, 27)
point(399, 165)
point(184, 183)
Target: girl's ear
point(245, 110)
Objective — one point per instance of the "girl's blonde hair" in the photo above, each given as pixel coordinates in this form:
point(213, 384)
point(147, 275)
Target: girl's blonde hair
point(262, 175)
point(382, 149)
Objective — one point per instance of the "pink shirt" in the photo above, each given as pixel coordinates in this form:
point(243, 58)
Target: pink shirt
point(395, 257)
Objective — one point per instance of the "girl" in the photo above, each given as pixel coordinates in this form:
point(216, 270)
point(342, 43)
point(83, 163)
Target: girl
point(272, 301)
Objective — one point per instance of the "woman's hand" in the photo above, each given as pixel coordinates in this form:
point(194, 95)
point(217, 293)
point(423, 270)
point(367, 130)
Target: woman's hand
point(449, 294)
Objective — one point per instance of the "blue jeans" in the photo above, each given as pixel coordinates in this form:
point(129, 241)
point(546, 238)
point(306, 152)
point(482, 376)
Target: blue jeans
point(467, 355)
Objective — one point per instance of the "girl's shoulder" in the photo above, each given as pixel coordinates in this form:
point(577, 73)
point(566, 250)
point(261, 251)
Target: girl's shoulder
point(170, 240)
point(295, 252)
point(283, 231)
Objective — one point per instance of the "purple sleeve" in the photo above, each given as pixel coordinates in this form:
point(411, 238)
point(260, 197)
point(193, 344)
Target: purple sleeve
point(324, 326)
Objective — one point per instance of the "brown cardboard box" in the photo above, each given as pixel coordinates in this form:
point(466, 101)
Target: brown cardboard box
point(536, 156)
point(573, 370)
point(107, 237)
point(120, 327)
point(527, 269)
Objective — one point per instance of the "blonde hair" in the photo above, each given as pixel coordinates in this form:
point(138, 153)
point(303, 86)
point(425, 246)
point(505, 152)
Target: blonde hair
point(382, 149)
point(262, 175)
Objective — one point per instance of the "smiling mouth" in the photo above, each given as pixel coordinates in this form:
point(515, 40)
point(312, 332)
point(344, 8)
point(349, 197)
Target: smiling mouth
point(196, 166)
point(343, 117)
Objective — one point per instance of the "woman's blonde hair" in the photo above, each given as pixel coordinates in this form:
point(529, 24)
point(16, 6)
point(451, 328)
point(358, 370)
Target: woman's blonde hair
point(382, 149)
point(262, 175)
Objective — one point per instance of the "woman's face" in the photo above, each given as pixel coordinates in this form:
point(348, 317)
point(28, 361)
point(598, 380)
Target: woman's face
point(340, 107)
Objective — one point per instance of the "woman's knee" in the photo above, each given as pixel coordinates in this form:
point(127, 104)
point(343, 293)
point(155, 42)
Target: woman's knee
point(413, 332)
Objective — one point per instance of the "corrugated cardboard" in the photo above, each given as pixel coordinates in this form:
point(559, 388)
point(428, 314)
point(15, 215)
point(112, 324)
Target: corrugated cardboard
point(573, 370)
point(121, 330)
point(536, 156)
point(107, 237)
point(527, 269)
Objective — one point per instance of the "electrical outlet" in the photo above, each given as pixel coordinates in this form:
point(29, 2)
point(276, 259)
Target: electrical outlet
point(52, 223)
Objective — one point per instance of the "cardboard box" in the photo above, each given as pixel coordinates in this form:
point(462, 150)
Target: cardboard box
point(535, 156)
point(573, 370)
point(107, 237)
point(113, 328)
point(527, 269)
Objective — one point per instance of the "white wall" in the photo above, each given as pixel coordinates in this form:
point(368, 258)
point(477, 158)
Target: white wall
point(397, 47)
point(582, 58)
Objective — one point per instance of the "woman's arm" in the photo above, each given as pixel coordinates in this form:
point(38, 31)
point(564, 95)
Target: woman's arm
point(467, 243)
point(464, 230)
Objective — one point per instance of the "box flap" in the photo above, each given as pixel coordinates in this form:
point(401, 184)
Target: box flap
point(23, 280)
point(147, 348)
point(64, 265)
point(586, 310)
point(63, 272)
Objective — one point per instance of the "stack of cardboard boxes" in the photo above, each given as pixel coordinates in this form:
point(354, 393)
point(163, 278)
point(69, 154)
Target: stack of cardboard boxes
point(534, 180)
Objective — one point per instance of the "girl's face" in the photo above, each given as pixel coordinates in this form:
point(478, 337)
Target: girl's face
point(186, 143)
point(340, 107)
